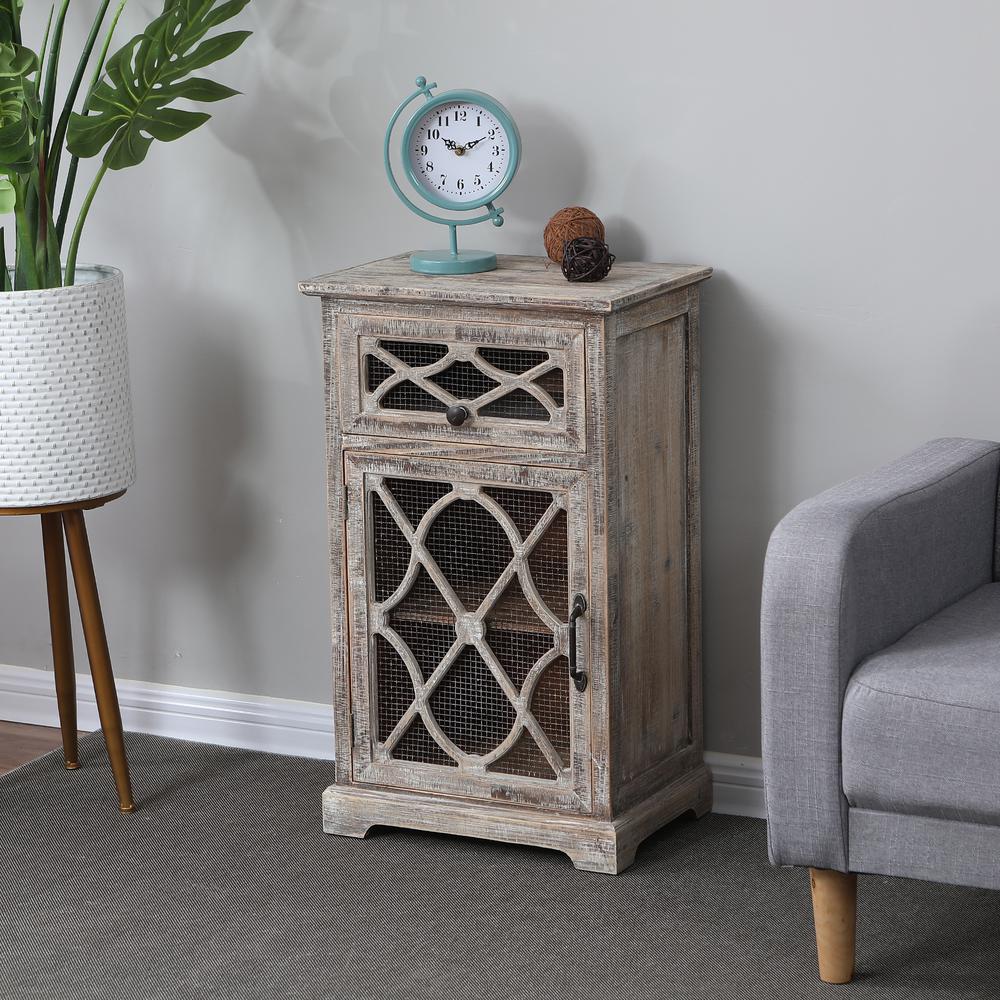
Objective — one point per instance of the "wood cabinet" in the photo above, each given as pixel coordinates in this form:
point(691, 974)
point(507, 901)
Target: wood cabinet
point(514, 515)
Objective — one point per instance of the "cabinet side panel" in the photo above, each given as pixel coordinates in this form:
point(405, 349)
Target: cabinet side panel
point(652, 704)
point(336, 516)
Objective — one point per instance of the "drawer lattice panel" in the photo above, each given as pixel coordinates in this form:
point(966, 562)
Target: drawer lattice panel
point(466, 605)
point(499, 382)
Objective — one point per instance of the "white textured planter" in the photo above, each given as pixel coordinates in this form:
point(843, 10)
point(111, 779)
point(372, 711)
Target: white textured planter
point(65, 403)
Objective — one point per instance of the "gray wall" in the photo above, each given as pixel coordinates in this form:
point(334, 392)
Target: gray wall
point(836, 163)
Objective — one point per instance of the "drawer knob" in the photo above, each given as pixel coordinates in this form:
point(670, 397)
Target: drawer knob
point(457, 414)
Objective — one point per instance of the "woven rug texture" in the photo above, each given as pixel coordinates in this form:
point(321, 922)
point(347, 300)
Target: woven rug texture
point(222, 885)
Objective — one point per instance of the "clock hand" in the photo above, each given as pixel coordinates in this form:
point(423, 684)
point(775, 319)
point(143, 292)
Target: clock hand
point(474, 142)
point(449, 143)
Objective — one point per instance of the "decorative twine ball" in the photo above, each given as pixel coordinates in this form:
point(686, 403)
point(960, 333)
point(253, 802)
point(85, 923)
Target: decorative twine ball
point(587, 259)
point(567, 224)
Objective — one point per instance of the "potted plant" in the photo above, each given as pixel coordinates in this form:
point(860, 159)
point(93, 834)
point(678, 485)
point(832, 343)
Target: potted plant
point(65, 406)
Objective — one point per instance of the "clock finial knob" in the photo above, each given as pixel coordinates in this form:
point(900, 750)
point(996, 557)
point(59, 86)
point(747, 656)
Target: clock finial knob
point(421, 81)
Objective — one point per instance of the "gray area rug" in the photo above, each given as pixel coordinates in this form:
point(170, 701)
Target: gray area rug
point(222, 885)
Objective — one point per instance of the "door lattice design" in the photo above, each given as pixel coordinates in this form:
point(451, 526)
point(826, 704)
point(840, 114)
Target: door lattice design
point(467, 599)
point(500, 382)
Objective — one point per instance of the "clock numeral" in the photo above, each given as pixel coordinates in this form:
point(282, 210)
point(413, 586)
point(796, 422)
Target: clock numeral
point(422, 150)
point(430, 166)
point(460, 116)
point(492, 171)
point(461, 184)
point(478, 180)
point(478, 121)
point(496, 150)
point(492, 133)
point(433, 133)
point(442, 122)
point(444, 177)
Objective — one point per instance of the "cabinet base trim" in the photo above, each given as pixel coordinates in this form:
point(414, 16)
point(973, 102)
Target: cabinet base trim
point(592, 844)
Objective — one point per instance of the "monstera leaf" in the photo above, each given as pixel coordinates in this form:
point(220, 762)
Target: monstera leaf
point(131, 106)
point(18, 108)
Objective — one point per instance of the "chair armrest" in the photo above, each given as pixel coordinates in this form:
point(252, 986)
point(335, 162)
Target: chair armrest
point(848, 573)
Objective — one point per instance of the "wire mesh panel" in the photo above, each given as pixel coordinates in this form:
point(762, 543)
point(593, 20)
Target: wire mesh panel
point(500, 382)
point(508, 384)
point(468, 597)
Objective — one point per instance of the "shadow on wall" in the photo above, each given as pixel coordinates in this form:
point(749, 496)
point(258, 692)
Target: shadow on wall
point(293, 125)
point(210, 522)
point(740, 442)
point(626, 239)
point(308, 101)
point(554, 173)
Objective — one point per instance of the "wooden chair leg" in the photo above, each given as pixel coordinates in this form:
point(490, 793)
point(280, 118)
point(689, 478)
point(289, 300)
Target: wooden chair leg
point(834, 897)
point(62, 636)
point(97, 651)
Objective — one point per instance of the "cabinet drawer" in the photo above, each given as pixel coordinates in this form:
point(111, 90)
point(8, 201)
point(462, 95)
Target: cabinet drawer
point(521, 386)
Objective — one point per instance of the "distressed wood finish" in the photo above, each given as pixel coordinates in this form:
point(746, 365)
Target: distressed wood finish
point(591, 843)
point(373, 763)
point(362, 412)
point(619, 454)
point(650, 573)
point(524, 282)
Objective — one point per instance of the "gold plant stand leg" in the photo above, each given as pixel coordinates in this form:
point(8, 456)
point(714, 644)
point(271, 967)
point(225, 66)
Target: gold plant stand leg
point(97, 651)
point(62, 636)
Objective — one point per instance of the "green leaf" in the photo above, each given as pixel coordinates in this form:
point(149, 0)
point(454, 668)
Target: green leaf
point(171, 124)
point(48, 92)
point(198, 89)
point(18, 108)
point(129, 108)
point(10, 20)
point(59, 135)
point(69, 187)
point(16, 150)
point(4, 270)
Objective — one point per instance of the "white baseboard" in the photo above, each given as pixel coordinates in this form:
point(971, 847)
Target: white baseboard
point(276, 725)
point(737, 784)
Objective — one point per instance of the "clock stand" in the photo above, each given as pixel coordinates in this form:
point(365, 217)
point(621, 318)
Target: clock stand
point(418, 136)
point(514, 517)
point(454, 261)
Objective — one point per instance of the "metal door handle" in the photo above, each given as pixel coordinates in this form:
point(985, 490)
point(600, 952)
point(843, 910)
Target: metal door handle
point(577, 610)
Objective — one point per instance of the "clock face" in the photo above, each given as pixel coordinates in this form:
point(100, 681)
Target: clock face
point(458, 151)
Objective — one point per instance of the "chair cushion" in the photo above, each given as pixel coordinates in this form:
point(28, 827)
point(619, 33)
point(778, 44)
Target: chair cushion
point(921, 722)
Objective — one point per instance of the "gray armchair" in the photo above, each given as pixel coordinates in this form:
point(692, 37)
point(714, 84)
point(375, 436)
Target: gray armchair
point(880, 647)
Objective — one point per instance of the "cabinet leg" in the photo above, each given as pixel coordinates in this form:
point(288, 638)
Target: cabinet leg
point(346, 827)
point(62, 636)
point(608, 853)
point(834, 897)
point(97, 651)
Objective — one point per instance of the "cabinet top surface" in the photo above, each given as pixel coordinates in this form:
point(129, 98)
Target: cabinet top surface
point(517, 281)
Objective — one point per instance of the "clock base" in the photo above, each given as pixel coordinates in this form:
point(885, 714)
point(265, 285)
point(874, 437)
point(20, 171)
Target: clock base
point(446, 262)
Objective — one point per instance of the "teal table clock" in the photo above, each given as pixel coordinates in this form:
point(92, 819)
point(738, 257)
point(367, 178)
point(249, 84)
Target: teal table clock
point(460, 150)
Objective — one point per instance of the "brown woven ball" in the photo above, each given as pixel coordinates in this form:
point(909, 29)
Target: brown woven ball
point(567, 224)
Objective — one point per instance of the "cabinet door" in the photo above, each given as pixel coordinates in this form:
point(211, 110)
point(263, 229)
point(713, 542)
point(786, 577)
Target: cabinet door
point(461, 576)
